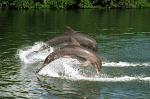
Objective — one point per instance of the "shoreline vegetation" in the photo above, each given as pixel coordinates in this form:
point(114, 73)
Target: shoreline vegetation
point(73, 4)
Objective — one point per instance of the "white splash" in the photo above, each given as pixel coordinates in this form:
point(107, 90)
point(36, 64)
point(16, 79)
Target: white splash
point(145, 78)
point(62, 67)
point(117, 79)
point(28, 54)
point(124, 64)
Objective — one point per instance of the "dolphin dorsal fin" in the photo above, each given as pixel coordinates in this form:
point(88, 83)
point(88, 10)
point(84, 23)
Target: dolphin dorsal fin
point(74, 42)
point(69, 31)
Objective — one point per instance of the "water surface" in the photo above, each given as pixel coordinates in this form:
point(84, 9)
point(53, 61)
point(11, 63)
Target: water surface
point(123, 38)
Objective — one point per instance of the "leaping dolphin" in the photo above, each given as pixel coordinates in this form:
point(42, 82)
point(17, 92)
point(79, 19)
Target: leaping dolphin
point(69, 33)
point(75, 50)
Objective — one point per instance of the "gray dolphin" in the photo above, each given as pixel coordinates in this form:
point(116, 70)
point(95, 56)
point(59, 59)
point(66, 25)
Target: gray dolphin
point(69, 33)
point(75, 50)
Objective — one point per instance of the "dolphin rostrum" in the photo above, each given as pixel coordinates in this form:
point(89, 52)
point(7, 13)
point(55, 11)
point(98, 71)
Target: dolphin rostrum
point(75, 50)
point(69, 33)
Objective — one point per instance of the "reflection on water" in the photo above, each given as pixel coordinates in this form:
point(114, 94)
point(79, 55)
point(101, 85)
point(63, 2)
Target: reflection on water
point(123, 43)
point(74, 89)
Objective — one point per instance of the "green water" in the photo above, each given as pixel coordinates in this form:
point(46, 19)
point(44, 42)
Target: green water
point(122, 36)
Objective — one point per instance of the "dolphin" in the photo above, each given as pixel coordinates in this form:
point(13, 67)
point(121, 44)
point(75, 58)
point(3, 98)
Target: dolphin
point(74, 50)
point(69, 33)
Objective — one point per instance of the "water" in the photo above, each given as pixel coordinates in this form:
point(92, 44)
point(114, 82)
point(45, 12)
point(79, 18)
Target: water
point(123, 38)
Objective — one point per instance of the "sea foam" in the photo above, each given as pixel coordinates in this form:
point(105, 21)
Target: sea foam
point(28, 54)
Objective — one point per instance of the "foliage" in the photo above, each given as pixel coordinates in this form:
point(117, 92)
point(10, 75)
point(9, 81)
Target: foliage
point(24, 3)
point(85, 4)
point(59, 4)
point(123, 3)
